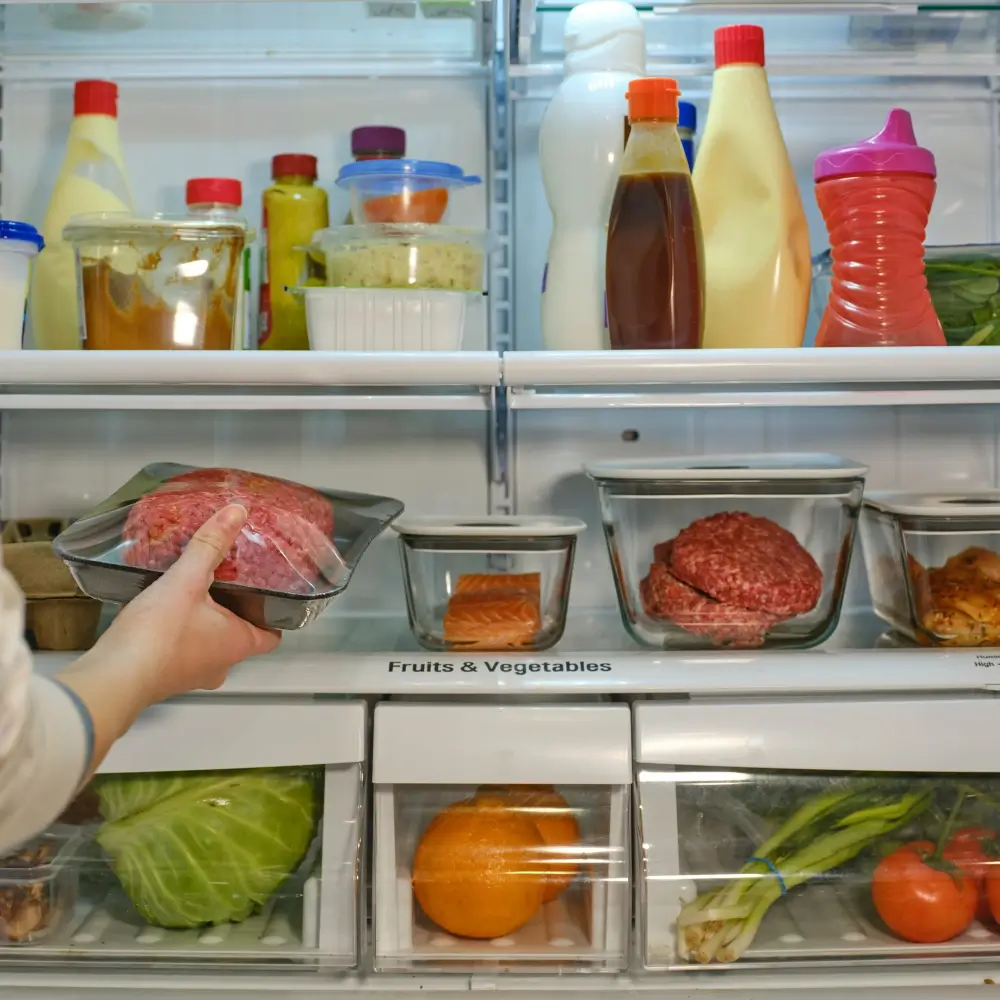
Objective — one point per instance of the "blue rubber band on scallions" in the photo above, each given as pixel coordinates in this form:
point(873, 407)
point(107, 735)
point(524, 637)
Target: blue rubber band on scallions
point(770, 864)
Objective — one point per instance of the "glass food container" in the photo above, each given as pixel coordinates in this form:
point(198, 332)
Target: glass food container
point(297, 551)
point(933, 564)
point(503, 844)
point(491, 583)
point(38, 885)
point(737, 552)
point(402, 256)
point(158, 284)
point(401, 190)
point(964, 285)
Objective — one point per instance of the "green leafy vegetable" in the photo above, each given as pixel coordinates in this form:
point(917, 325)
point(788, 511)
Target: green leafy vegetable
point(206, 847)
point(965, 290)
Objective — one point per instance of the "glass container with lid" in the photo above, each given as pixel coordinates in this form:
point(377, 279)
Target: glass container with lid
point(737, 552)
point(933, 564)
point(489, 583)
point(159, 283)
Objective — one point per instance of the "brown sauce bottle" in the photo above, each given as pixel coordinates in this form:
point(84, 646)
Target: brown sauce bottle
point(655, 265)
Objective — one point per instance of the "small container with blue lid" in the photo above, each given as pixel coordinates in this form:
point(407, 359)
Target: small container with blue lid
point(19, 242)
point(402, 191)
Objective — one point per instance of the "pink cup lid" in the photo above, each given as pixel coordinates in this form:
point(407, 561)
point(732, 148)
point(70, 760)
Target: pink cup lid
point(894, 150)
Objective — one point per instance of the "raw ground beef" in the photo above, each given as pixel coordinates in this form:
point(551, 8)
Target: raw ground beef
point(749, 562)
point(664, 596)
point(286, 544)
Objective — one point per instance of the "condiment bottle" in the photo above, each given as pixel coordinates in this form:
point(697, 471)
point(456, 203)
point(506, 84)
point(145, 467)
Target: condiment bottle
point(92, 179)
point(757, 262)
point(580, 147)
point(687, 125)
point(655, 277)
point(222, 198)
point(376, 142)
point(875, 197)
point(294, 209)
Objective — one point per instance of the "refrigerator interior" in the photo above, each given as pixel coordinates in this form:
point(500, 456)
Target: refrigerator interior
point(218, 88)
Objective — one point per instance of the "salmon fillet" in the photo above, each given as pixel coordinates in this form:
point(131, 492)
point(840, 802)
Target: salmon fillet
point(475, 583)
point(492, 620)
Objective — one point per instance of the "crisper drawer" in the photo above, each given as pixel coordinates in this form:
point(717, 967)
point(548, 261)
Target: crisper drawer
point(217, 832)
point(818, 833)
point(501, 837)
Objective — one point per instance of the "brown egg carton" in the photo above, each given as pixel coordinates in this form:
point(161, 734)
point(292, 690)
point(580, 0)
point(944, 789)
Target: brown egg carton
point(29, 557)
point(62, 624)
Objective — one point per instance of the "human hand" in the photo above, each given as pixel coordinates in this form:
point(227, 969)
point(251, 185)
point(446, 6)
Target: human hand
point(174, 633)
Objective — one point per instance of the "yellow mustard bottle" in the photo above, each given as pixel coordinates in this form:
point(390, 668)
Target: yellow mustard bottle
point(92, 179)
point(294, 208)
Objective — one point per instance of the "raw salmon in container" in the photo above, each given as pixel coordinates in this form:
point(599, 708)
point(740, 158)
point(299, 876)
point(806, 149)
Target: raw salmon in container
point(492, 583)
point(296, 552)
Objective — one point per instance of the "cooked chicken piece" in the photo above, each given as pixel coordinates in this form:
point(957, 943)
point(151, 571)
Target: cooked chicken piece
point(959, 603)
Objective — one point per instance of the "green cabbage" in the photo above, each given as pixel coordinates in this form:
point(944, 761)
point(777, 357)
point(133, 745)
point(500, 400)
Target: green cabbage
point(206, 847)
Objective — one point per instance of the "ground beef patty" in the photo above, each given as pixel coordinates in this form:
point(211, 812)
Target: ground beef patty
point(747, 561)
point(286, 544)
point(664, 596)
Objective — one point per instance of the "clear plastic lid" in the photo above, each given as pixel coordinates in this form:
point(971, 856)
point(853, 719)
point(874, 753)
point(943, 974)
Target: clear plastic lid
point(399, 233)
point(976, 503)
point(104, 227)
point(491, 526)
point(730, 467)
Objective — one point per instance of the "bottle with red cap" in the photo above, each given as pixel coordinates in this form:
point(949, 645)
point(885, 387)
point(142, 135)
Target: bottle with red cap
point(294, 209)
point(221, 199)
point(92, 179)
point(757, 266)
point(654, 277)
point(876, 196)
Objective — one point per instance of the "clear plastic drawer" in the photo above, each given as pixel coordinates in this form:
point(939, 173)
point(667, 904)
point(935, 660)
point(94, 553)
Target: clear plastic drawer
point(819, 834)
point(503, 842)
point(203, 841)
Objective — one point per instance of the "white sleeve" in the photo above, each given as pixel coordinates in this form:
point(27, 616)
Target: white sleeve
point(46, 734)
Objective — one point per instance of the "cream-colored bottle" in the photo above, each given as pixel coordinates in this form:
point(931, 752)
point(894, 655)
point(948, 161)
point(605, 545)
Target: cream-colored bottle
point(92, 179)
point(754, 230)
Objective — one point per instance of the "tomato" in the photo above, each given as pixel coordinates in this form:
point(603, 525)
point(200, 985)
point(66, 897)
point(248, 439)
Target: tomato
point(993, 893)
point(920, 902)
point(966, 851)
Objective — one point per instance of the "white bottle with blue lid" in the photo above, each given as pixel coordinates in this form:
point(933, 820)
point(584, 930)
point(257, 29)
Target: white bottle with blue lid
point(580, 145)
point(19, 242)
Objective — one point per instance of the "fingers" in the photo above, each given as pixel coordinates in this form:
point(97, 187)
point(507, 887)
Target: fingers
point(209, 545)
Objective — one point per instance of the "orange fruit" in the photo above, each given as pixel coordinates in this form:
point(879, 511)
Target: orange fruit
point(551, 813)
point(475, 869)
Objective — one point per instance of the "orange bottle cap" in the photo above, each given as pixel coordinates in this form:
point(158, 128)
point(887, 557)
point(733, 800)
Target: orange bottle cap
point(653, 97)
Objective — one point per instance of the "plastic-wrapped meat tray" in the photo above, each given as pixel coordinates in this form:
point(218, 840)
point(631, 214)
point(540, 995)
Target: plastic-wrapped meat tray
point(296, 553)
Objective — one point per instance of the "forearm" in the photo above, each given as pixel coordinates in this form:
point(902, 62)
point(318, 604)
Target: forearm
point(113, 690)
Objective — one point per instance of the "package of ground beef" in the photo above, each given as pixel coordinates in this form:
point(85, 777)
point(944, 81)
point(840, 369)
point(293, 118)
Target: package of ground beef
point(296, 552)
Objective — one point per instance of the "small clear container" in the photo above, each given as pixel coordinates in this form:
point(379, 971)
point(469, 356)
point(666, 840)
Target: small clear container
point(38, 886)
point(933, 564)
point(402, 256)
point(158, 284)
point(492, 583)
point(964, 285)
point(402, 190)
point(737, 552)
point(297, 551)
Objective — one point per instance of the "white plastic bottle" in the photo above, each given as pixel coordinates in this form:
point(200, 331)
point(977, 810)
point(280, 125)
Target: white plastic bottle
point(580, 146)
point(92, 179)
point(753, 225)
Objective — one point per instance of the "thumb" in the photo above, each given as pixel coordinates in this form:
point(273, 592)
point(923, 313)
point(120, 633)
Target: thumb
point(210, 544)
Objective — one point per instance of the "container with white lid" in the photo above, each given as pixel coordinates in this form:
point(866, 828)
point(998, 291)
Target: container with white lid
point(739, 552)
point(19, 242)
point(488, 583)
point(933, 562)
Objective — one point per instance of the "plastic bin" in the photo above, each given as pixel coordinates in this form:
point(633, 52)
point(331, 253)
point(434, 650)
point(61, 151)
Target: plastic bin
point(933, 564)
point(491, 583)
point(731, 552)
point(19, 242)
point(38, 884)
point(402, 190)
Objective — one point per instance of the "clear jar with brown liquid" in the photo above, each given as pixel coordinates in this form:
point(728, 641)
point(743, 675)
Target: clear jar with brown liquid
point(655, 265)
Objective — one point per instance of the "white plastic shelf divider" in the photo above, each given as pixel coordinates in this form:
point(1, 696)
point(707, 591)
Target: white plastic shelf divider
point(377, 655)
point(540, 380)
point(247, 380)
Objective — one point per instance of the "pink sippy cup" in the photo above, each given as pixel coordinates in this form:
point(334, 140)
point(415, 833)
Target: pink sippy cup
point(875, 197)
